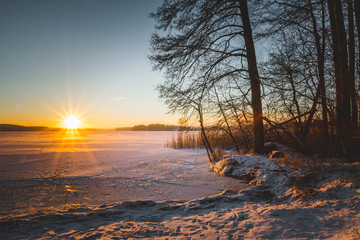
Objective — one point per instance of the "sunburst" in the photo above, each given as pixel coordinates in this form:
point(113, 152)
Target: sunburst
point(72, 122)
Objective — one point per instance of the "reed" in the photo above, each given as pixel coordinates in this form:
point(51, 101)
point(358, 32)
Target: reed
point(219, 140)
point(189, 139)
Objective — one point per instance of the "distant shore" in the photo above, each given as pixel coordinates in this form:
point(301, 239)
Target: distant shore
point(13, 127)
point(150, 127)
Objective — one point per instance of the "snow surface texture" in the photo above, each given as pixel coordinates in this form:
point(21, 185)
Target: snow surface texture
point(281, 203)
point(42, 170)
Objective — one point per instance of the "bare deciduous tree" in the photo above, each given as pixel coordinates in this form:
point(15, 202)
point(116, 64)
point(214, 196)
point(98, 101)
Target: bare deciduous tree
point(211, 41)
point(340, 56)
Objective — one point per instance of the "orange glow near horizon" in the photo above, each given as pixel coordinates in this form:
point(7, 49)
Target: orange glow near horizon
point(54, 114)
point(70, 118)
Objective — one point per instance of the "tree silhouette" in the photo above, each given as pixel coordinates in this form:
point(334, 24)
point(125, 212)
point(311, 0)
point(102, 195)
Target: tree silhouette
point(203, 43)
point(344, 129)
point(307, 81)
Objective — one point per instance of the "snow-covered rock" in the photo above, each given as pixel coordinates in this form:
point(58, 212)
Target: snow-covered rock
point(279, 179)
point(258, 170)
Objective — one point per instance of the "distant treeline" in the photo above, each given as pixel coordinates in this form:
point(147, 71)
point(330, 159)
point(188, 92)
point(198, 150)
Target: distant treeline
point(13, 127)
point(153, 127)
point(142, 127)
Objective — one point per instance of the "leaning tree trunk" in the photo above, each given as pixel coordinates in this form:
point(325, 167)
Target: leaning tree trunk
point(344, 130)
point(254, 80)
point(210, 152)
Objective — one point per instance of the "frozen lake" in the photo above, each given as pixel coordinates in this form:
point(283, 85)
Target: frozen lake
point(45, 170)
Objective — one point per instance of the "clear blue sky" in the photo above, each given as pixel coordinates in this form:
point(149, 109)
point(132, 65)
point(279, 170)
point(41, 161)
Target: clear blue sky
point(92, 54)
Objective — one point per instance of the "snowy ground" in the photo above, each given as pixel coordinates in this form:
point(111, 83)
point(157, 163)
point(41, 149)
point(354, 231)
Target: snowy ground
point(282, 203)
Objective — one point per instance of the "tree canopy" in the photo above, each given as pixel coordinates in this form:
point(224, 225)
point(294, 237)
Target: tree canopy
point(207, 51)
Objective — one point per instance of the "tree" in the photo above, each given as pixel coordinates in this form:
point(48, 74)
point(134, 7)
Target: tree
point(254, 79)
point(357, 21)
point(188, 102)
point(203, 43)
point(320, 55)
point(296, 65)
point(340, 56)
point(351, 44)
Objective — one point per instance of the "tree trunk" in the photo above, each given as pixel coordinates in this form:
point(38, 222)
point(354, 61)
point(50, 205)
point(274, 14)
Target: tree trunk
point(254, 80)
point(295, 101)
point(353, 98)
point(341, 76)
point(322, 82)
point(210, 152)
point(357, 21)
point(320, 51)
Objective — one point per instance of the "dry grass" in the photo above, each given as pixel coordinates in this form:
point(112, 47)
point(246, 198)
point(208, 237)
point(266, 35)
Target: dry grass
point(301, 163)
point(303, 186)
point(219, 140)
point(353, 234)
point(353, 180)
point(191, 139)
point(304, 192)
point(295, 162)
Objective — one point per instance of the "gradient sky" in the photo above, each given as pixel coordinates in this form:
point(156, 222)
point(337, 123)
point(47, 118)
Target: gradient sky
point(90, 56)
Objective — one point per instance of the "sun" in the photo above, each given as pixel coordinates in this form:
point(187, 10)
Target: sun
point(71, 122)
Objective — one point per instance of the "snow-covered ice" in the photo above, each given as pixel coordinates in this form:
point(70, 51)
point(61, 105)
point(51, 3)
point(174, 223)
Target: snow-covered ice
point(281, 203)
point(41, 170)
